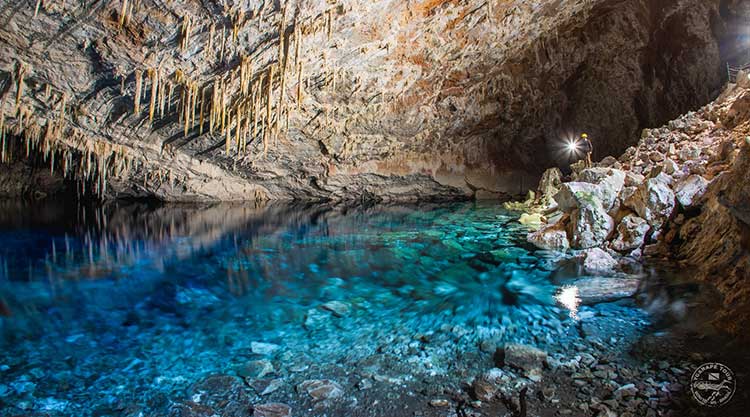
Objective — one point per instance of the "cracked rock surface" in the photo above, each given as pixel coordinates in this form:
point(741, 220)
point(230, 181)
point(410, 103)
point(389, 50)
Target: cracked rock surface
point(391, 100)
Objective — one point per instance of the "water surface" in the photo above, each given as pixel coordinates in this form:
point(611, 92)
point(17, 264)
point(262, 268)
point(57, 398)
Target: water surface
point(118, 310)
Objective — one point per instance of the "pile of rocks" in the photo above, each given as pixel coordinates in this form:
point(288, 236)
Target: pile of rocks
point(622, 206)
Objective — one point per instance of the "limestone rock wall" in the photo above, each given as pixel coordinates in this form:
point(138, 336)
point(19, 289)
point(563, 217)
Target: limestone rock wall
point(387, 99)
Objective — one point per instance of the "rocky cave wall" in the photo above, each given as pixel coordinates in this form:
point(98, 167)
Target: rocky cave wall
point(380, 99)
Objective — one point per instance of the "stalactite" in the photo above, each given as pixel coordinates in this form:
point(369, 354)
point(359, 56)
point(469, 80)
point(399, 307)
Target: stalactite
point(203, 102)
point(246, 130)
point(161, 99)
point(137, 98)
point(129, 15)
point(223, 44)
point(61, 119)
point(299, 86)
point(238, 129)
point(185, 32)
point(153, 75)
point(214, 106)
point(194, 105)
point(267, 128)
point(223, 107)
point(297, 42)
point(257, 94)
point(170, 90)
point(20, 74)
point(211, 33)
point(237, 23)
point(123, 12)
point(226, 130)
point(329, 24)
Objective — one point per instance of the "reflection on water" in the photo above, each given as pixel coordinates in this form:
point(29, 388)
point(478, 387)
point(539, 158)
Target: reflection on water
point(138, 300)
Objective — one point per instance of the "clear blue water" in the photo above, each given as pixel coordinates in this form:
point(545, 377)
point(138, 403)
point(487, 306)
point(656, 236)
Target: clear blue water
point(119, 310)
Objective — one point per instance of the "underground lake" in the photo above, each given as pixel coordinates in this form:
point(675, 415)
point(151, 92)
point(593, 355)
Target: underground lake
point(145, 309)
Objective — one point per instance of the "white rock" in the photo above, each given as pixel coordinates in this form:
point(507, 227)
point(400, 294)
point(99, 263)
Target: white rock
point(609, 182)
point(574, 194)
point(592, 290)
point(261, 348)
point(590, 226)
point(552, 237)
point(533, 219)
point(524, 357)
point(631, 233)
point(689, 191)
point(653, 201)
point(597, 260)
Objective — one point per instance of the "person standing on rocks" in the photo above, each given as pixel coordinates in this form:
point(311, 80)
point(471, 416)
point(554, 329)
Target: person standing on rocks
point(587, 148)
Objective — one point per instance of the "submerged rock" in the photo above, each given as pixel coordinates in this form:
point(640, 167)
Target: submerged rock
point(255, 369)
point(487, 386)
point(338, 308)
point(321, 389)
point(261, 348)
point(527, 358)
point(593, 290)
point(272, 410)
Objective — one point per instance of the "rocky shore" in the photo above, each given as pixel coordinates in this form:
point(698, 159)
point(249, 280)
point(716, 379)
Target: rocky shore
point(681, 194)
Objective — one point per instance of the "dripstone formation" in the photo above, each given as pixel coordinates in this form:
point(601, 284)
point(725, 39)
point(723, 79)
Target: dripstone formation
point(337, 100)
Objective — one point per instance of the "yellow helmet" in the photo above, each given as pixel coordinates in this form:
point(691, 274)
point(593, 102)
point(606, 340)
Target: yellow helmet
point(585, 136)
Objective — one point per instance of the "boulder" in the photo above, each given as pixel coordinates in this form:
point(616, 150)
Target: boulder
point(590, 225)
point(533, 219)
point(689, 191)
point(631, 233)
point(609, 183)
point(573, 195)
point(597, 260)
point(552, 237)
point(549, 185)
point(593, 290)
point(633, 180)
point(653, 200)
point(609, 162)
point(526, 358)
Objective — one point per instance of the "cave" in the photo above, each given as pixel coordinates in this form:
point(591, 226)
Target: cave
point(380, 208)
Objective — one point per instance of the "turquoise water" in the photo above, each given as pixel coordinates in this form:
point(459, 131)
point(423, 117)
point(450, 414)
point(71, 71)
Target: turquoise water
point(119, 310)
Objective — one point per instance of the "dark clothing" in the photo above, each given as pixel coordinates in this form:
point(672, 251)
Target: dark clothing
point(586, 146)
